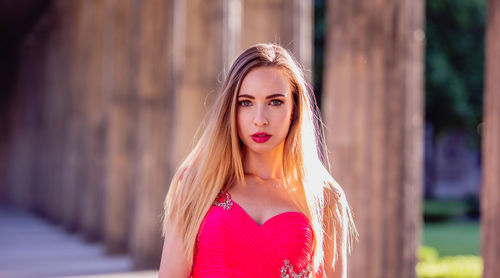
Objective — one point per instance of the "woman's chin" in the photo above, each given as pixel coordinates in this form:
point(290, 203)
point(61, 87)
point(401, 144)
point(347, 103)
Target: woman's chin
point(261, 148)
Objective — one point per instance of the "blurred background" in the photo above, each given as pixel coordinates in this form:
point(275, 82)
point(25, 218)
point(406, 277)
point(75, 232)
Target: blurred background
point(100, 101)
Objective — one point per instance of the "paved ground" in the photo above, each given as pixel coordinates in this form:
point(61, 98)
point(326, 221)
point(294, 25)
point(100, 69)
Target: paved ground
point(29, 248)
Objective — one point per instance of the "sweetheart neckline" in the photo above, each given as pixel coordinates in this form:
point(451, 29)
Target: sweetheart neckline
point(268, 220)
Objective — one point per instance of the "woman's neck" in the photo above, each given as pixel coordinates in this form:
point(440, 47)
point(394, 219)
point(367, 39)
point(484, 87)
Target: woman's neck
point(264, 165)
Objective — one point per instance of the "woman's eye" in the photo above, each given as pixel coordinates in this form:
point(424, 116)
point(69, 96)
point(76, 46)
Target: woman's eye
point(245, 103)
point(276, 102)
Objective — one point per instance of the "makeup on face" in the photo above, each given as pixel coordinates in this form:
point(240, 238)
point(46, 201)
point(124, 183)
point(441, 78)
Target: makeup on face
point(264, 108)
point(261, 137)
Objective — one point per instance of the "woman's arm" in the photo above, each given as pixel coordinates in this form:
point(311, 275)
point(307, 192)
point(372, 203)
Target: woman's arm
point(335, 239)
point(173, 261)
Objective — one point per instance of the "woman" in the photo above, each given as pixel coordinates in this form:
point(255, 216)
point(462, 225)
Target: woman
point(254, 198)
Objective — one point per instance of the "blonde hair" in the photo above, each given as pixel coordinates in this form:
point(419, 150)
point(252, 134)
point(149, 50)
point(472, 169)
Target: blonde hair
point(215, 163)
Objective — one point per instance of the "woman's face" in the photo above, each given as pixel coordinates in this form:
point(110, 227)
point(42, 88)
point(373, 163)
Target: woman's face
point(264, 109)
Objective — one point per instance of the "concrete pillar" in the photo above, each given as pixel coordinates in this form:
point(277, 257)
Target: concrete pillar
point(73, 174)
point(204, 47)
point(287, 22)
point(155, 108)
point(119, 72)
point(87, 134)
point(373, 109)
point(24, 167)
point(56, 28)
point(490, 192)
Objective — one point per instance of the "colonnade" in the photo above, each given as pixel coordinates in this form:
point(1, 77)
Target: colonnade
point(110, 93)
point(108, 98)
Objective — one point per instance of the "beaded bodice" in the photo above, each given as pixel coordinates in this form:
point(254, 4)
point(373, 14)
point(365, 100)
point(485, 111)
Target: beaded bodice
point(231, 244)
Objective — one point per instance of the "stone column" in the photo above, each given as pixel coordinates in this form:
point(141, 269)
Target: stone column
point(204, 47)
point(156, 99)
point(57, 28)
point(22, 131)
point(94, 120)
point(119, 72)
point(84, 140)
point(287, 22)
point(373, 110)
point(73, 174)
point(490, 192)
point(28, 137)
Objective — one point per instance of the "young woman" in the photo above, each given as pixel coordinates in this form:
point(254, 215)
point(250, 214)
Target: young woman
point(254, 198)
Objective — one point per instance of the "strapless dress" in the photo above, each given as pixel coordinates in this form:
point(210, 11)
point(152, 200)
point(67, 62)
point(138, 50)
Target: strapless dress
point(231, 244)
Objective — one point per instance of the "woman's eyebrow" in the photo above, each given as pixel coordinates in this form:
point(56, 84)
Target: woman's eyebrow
point(269, 96)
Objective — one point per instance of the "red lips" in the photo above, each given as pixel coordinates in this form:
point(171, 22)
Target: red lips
point(260, 137)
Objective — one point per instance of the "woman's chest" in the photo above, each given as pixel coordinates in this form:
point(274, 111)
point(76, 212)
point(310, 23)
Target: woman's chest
point(230, 241)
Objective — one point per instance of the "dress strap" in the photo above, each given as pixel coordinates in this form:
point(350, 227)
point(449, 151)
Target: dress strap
point(223, 200)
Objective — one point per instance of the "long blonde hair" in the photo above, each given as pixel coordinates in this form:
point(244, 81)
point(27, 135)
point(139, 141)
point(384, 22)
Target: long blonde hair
point(215, 163)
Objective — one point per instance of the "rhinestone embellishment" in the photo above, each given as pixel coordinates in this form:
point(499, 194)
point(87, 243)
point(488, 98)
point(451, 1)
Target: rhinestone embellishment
point(287, 271)
point(223, 200)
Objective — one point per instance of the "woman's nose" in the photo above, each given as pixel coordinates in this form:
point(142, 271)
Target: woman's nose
point(260, 118)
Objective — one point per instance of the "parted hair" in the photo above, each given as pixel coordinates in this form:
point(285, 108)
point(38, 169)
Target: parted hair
point(215, 163)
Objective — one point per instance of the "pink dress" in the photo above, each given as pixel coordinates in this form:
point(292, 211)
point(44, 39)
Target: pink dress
point(231, 244)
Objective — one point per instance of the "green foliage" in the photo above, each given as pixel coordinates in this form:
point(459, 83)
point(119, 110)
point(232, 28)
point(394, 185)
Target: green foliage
point(439, 210)
point(431, 266)
point(454, 64)
point(453, 237)
point(427, 254)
